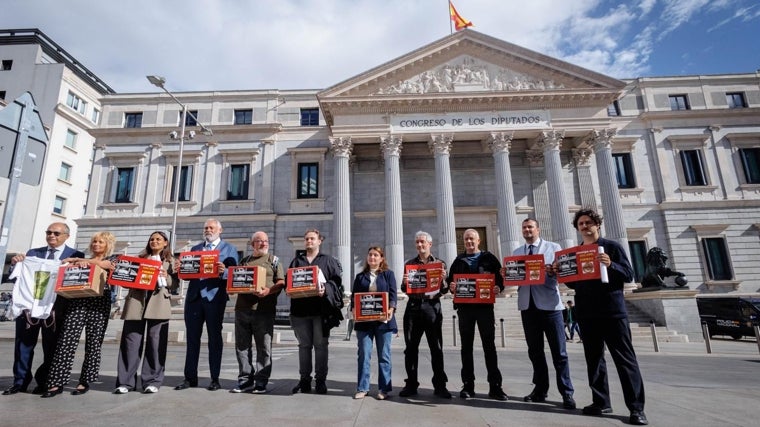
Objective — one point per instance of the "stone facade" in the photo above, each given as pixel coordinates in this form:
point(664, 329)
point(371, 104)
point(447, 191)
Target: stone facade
point(550, 139)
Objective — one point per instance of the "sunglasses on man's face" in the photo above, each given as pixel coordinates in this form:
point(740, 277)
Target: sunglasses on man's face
point(54, 233)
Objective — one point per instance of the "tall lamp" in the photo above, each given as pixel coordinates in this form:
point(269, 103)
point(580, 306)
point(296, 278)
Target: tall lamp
point(160, 82)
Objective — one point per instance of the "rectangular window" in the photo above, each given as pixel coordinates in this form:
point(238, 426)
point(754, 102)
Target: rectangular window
point(693, 167)
point(76, 103)
point(716, 254)
point(189, 120)
point(679, 102)
point(309, 116)
point(613, 110)
point(237, 184)
point(124, 183)
point(185, 183)
point(308, 180)
point(638, 249)
point(71, 139)
point(58, 205)
point(95, 116)
point(736, 100)
point(243, 117)
point(7, 64)
point(624, 170)
point(132, 120)
point(64, 174)
point(2, 94)
point(751, 164)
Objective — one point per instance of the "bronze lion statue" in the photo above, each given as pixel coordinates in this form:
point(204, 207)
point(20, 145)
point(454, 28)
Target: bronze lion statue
point(657, 270)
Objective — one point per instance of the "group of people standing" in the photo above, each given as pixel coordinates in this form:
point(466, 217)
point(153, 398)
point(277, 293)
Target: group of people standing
point(600, 314)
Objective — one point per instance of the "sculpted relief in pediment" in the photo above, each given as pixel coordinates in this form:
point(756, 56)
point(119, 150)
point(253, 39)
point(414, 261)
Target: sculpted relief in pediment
point(467, 74)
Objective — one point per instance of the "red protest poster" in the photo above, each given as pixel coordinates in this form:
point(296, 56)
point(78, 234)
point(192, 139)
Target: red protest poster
point(423, 278)
point(474, 289)
point(78, 282)
point(135, 273)
point(577, 263)
point(370, 306)
point(524, 270)
point(303, 282)
point(198, 265)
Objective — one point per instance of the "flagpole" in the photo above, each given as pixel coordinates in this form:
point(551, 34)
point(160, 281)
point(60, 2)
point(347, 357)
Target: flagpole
point(451, 21)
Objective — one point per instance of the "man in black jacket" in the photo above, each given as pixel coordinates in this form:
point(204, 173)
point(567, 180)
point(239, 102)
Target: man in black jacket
point(475, 261)
point(313, 317)
point(602, 316)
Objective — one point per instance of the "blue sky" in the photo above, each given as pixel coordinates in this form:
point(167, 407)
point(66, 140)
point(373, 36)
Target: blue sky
point(313, 44)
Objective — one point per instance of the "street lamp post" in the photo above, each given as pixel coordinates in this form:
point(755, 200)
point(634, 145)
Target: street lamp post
point(160, 82)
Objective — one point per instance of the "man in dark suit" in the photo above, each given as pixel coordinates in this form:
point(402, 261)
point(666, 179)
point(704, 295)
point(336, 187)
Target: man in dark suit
point(28, 328)
point(602, 316)
point(205, 302)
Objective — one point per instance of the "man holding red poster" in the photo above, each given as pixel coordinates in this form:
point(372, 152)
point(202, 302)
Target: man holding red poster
point(604, 321)
point(475, 261)
point(541, 311)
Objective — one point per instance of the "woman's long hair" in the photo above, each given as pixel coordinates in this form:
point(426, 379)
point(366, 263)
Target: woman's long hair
point(107, 237)
point(383, 265)
point(166, 253)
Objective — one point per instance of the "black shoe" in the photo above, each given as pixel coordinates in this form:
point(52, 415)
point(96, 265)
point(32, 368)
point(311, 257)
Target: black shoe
point(535, 396)
point(596, 410)
point(15, 388)
point(466, 394)
point(214, 385)
point(186, 384)
point(638, 418)
point(244, 387)
point(51, 393)
point(38, 390)
point(497, 393)
point(441, 392)
point(568, 402)
point(320, 387)
point(81, 389)
point(259, 389)
point(304, 386)
point(407, 391)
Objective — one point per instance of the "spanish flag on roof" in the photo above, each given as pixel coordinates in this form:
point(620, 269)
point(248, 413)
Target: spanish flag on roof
point(459, 22)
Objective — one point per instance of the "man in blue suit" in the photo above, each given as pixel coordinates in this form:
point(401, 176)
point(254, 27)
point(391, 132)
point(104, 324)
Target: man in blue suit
point(28, 328)
point(541, 311)
point(205, 302)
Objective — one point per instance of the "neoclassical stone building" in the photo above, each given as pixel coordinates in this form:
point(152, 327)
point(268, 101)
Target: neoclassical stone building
point(468, 131)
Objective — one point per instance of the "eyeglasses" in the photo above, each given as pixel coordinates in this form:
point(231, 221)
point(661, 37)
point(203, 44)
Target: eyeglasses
point(54, 233)
point(260, 241)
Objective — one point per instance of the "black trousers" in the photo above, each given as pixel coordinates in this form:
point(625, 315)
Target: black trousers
point(616, 334)
point(481, 315)
point(423, 316)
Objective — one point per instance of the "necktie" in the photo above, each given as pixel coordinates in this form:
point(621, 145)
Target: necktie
point(51, 253)
point(530, 250)
point(208, 247)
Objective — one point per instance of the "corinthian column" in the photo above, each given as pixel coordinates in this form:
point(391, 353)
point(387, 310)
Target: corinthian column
point(390, 146)
point(614, 225)
point(581, 157)
point(509, 236)
point(440, 146)
point(550, 142)
point(341, 149)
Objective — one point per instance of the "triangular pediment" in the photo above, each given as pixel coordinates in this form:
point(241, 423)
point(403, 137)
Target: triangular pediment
point(468, 62)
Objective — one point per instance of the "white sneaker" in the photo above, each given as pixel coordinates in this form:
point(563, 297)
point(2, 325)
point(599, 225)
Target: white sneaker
point(360, 395)
point(121, 390)
point(151, 389)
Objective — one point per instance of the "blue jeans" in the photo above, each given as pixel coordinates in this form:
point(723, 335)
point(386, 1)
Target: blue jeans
point(364, 355)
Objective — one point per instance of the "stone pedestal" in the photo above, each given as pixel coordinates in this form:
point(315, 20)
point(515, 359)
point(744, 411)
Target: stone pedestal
point(676, 309)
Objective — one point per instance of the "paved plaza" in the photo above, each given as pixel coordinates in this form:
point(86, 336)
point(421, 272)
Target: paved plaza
point(684, 387)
